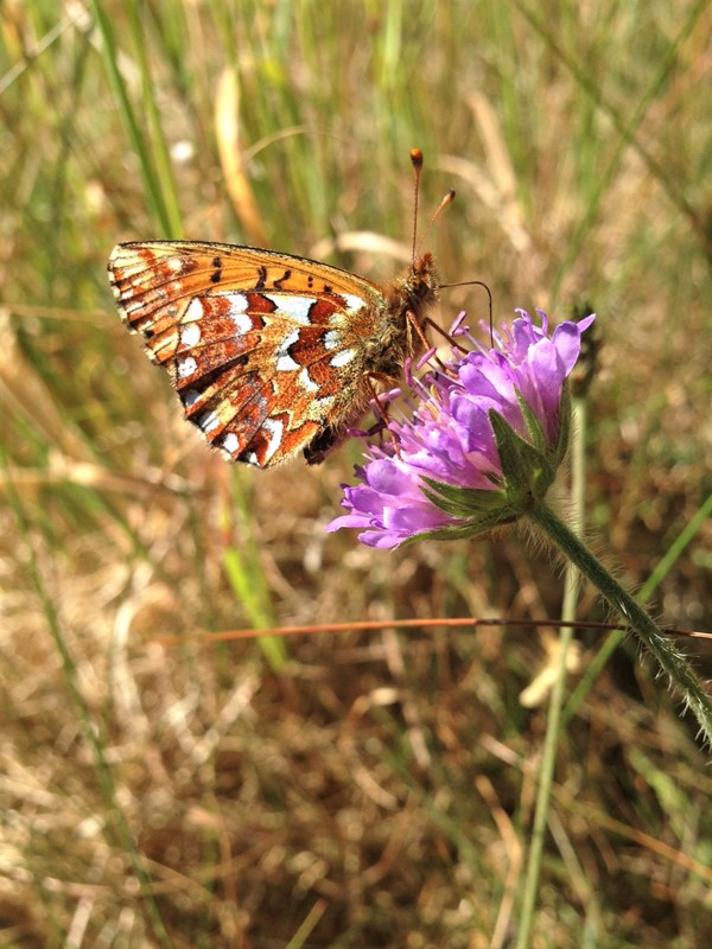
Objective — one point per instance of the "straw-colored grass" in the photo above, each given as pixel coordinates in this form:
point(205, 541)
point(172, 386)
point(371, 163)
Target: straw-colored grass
point(368, 789)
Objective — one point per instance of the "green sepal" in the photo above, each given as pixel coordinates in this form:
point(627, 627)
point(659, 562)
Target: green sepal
point(527, 472)
point(562, 439)
point(472, 528)
point(463, 502)
point(536, 433)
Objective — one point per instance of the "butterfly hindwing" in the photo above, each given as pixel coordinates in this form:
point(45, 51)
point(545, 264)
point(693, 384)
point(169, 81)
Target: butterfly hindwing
point(265, 350)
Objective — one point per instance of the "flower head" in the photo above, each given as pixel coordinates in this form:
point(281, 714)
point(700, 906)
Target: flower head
point(487, 434)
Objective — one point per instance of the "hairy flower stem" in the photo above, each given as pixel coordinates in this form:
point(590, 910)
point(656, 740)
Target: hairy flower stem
point(671, 661)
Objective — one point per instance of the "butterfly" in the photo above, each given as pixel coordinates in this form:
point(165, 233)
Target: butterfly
point(270, 354)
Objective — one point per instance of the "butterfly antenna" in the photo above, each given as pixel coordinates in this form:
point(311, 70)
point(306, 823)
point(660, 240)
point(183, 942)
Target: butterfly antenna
point(445, 203)
point(476, 283)
point(416, 157)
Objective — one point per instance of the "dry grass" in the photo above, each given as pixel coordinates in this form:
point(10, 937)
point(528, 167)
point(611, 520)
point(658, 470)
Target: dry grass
point(375, 790)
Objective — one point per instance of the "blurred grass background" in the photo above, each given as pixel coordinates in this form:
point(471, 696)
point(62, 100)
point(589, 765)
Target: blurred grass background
point(360, 790)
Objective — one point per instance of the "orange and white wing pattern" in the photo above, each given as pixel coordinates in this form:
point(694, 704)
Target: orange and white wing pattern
point(265, 350)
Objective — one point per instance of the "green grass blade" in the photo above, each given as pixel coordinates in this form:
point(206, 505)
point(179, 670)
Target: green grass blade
point(154, 192)
point(165, 178)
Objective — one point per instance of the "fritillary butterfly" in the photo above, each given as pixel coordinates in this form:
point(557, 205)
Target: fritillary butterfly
point(270, 354)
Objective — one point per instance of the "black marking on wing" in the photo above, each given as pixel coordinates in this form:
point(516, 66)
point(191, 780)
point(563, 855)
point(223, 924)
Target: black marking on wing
point(208, 378)
point(277, 284)
point(320, 446)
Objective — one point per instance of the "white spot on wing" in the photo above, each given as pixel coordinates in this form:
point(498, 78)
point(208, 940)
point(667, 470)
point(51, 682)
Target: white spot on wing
point(238, 303)
point(186, 367)
point(251, 459)
point(288, 340)
point(343, 358)
point(238, 312)
point(332, 338)
point(194, 311)
point(296, 308)
point(285, 363)
point(208, 422)
point(306, 382)
point(230, 442)
point(176, 264)
point(274, 427)
point(243, 323)
point(190, 334)
point(353, 303)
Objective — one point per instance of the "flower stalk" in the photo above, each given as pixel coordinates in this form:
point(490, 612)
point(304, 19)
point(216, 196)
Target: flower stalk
point(669, 658)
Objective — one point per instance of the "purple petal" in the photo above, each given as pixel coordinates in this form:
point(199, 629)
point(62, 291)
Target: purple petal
point(363, 499)
point(413, 520)
point(567, 340)
point(385, 477)
point(347, 520)
point(382, 539)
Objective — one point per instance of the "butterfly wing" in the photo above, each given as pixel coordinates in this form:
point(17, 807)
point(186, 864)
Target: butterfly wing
point(265, 350)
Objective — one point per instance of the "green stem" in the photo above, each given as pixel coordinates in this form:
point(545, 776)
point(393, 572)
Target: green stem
point(672, 662)
point(554, 718)
point(615, 638)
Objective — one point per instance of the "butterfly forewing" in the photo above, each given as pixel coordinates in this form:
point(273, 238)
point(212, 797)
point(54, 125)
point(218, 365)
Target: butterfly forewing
point(266, 350)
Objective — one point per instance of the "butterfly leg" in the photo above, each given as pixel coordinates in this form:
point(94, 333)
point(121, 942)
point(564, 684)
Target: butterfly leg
point(431, 324)
point(415, 326)
point(380, 426)
point(366, 432)
point(380, 408)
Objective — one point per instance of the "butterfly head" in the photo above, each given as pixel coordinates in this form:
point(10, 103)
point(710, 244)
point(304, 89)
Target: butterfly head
point(422, 282)
point(412, 295)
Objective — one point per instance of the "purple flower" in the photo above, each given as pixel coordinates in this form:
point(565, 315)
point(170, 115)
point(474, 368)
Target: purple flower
point(488, 432)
